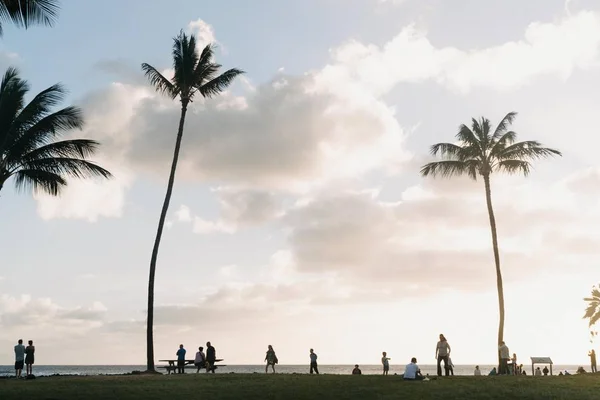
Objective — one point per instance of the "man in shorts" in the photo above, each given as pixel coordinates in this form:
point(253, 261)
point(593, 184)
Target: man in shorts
point(19, 357)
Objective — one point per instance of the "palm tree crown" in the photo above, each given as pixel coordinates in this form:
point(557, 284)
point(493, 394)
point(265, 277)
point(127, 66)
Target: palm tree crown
point(29, 151)
point(24, 13)
point(481, 151)
point(193, 72)
point(592, 312)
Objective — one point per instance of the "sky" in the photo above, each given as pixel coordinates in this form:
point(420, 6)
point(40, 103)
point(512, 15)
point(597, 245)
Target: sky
point(299, 218)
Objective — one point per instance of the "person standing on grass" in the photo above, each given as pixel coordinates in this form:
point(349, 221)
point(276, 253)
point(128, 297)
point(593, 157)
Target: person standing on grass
point(592, 355)
point(386, 363)
point(29, 359)
point(200, 360)
point(271, 359)
point(180, 359)
point(442, 353)
point(313, 362)
point(450, 366)
point(19, 358)
point(504, 357)
point(211, 358)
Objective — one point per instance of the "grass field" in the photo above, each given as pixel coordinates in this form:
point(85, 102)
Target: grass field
point(291, 387)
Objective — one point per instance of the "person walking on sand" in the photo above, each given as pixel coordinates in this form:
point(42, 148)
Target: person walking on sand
point(504, 357)
point(29, 359)
point(442, 353)
point(313, 362)
point(271, 359)
point(592, 355)
point(19, 358)
point(200, 360)
point(180, 359)
point(386, 363)
point(211, 358)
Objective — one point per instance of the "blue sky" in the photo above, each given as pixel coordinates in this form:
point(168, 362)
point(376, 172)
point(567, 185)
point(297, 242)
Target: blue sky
point(298, 203)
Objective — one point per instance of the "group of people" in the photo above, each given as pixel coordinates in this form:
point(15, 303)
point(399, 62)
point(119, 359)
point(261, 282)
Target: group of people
point(271, 359)
point(201, 361)
point(24, 358)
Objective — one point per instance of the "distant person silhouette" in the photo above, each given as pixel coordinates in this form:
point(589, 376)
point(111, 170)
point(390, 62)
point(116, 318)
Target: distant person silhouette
point(592, 355)
point(200, 360)
point(545, 371)
point(493, 372)
point(19, 358)
point(442, 352)
point(313, 362)
point(412, 372)
point(356, 370)
point(386, 363)
point(271, 359)
point(29, 358)
point(538, 371)
point(504, 357)
point(450, 366)
point(515, 367)
point(477, 371)
point(211, 358)
point(180, 359)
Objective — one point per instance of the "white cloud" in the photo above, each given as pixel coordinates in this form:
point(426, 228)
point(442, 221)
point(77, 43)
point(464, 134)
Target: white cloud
point(204, 32)
point(547, 49)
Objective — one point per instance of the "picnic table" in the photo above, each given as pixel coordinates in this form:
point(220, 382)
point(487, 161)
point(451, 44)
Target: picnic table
point(172, 364)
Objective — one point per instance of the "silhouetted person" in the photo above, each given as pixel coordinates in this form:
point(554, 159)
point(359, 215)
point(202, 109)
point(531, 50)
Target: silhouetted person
point(592, 355)
point(29, 359)
point(180, 359)
point(514, 364)
point(19, 358)
point(538, 371)
point(504, 357)
point(271, 359)
point(450, 366)
point(442, 352)
point(211, 358)
point(477, 371)
point(412, 372)
point(200, 360)
point(386, 363)
point(545, 371)
point(356, 370)
point(313, 362)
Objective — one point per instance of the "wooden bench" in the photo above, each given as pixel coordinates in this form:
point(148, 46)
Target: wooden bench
point(172, 365)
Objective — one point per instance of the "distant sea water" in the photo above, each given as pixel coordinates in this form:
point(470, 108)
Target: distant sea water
point(45, 370)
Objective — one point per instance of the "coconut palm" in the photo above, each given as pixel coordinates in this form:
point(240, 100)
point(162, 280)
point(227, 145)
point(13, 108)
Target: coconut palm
point(25, 13)
point(482, 151)
point(194, 74)
point(29, 150)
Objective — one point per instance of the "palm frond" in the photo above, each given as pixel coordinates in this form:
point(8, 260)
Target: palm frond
point(66, 166)
point(44, 131)
point(160, 83)
point(74, 148)
point(39, 181)
point(448, 169)
point(220, 83)
point(24, 13)
point(467, 138)
point(447, 150)
point(527, 150)
point(507, 139)
point(512, 167)
point(185, 59)
point(12, 99)
point(503, 125)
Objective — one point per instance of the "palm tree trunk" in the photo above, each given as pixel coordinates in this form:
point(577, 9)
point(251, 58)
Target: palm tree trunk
point(488, 198)
point(161, 224)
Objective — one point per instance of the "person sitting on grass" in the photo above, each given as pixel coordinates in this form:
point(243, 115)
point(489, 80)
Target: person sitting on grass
point(356, 370)
point(493, 372)
point(477, 371)
point(412, 372)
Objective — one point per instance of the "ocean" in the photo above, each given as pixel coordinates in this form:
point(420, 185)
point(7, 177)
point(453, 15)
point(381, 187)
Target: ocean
point(45, 370)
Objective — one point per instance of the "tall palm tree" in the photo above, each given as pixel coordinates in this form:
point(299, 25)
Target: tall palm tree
point(25, 13)
point(29, 150)
point(481, 151)
point(193, 74)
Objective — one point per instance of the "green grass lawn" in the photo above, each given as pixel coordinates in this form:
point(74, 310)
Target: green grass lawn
point(291, 387)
